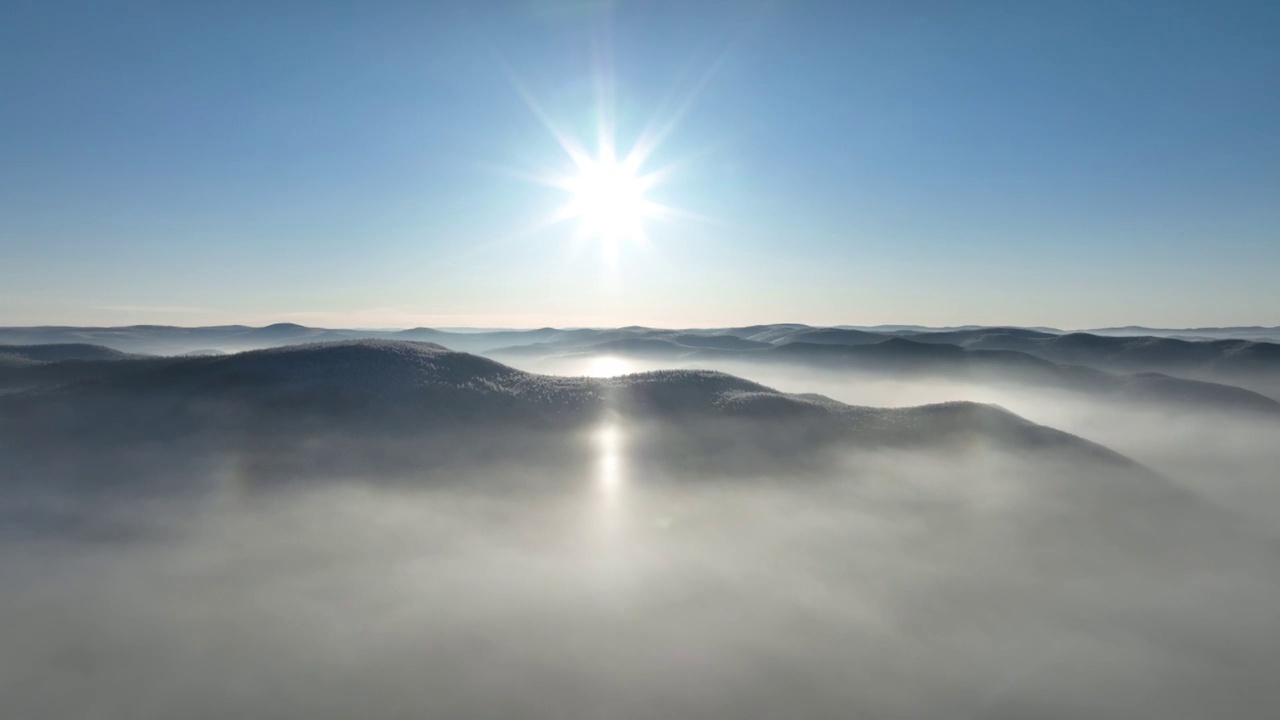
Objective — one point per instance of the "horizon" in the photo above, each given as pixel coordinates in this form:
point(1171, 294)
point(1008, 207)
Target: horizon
point(501, 328)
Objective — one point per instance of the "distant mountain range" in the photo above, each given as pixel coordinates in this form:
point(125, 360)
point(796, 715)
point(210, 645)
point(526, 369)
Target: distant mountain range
point(173, 340)
point(1250, 332)
point(1243, 332)
point(1127, 366)
point(364, 394)
point(19, 355)
point(903, 358)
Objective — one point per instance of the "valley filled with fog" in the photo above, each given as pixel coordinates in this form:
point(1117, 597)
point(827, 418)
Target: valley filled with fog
point(382, 528)
point(1232, 457)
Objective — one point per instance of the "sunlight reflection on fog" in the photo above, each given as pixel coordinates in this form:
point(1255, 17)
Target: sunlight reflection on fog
point(609, 440)
point(611, 561)
point(608, 366)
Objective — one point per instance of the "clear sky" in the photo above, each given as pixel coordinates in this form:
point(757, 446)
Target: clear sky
point(379, 164)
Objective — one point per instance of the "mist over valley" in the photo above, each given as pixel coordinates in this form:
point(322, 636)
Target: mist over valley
point(396, 528)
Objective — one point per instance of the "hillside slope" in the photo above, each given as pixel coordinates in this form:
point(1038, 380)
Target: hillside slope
point(371, 392)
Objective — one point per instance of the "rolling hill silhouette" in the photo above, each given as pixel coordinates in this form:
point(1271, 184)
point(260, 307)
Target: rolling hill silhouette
point(57, 352)
point(902, 357)
point(373, 391)
point(1247, 363)
point(1109, 349)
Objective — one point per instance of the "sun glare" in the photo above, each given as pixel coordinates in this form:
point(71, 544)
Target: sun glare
point(608, 188)
point(608, 366)
point(608, 199)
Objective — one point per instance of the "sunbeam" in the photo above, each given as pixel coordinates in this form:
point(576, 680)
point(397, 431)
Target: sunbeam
point(608, 189)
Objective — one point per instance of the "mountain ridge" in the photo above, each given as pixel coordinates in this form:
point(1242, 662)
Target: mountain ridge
point(373, 386)
point(1252, 364)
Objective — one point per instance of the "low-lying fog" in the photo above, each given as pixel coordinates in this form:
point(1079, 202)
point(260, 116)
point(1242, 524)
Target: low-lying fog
point(964, 585)
point(1233, 459)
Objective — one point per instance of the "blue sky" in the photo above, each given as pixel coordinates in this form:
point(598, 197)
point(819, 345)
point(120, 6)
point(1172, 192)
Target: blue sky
point(367, 164)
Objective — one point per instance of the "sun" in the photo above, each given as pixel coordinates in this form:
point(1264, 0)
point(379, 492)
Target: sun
point(608, 199)
point(611, 187)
